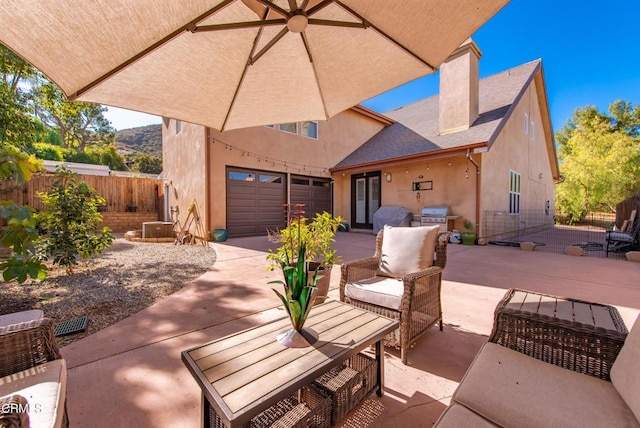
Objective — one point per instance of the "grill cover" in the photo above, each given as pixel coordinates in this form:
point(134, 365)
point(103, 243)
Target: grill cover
point(391, 215)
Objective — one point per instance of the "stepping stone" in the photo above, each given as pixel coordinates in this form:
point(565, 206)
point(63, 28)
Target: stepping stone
point(574, 250)
point(633, 256)
point(527, 246)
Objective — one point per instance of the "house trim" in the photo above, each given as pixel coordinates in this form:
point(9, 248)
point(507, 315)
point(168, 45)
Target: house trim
point(418, 157)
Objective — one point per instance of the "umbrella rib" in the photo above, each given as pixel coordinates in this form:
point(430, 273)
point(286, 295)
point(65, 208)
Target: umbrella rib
point(385, 35)
point(238, 25)
point(190, 25)
point(244, 71)
point(319, 7)
point(265, 49)
point(333, 23)
point(315, 74)
point(274, 7)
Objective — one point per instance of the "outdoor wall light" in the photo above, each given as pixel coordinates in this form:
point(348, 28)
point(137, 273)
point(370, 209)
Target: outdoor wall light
point(388, 177)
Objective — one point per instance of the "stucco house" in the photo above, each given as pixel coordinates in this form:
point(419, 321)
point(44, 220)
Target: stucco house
point(480, 145)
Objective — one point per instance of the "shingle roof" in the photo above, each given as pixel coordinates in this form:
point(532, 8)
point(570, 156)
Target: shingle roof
point(417, 129)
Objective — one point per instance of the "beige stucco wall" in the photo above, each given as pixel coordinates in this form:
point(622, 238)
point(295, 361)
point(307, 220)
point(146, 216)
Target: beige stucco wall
point(262, 148)
point(184, 167)
point(455, 187)
point(451, 187)
point(518, 151)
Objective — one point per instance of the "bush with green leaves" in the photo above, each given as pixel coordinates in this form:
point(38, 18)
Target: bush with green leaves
point(71, 221)
point(48, 151)
point(18, 255)
point(20, 235)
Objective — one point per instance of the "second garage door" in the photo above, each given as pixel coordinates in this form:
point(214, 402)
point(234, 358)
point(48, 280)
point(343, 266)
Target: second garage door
point(313, 192)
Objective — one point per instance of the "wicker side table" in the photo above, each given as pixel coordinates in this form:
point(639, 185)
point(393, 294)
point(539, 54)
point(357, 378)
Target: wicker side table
point(581, 336)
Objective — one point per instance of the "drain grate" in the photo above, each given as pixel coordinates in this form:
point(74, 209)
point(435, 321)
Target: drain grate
point(75, 325)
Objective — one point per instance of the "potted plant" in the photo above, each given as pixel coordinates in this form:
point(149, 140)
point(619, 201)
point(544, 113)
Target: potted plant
point(299, 283)
point(317, 237)
point(468, 237)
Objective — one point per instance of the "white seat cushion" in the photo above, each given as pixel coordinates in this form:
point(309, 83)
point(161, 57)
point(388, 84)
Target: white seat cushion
point(379, 290)
point(514, 390)
point(625, 372)
point(44, 387)
point(407, 250)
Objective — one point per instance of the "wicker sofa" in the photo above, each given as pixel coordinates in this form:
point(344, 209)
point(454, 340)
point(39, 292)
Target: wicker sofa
point(506, 388)
point(33, 376)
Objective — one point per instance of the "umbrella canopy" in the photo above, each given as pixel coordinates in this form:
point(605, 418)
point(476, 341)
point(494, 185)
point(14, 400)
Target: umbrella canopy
point(230, 64)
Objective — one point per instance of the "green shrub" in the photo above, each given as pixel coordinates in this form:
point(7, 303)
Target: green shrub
point(70, 222)
point(48, 151)
point(79, 157)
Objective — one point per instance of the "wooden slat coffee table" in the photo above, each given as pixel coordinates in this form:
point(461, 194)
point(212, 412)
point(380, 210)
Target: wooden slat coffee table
point(245, 373)
point(582, 336)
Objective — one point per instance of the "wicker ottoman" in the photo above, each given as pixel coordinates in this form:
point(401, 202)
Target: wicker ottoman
point(348, 384)
point(581, 336)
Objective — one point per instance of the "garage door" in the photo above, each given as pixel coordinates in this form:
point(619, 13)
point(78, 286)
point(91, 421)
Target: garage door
point(254, 201)
point(313, 192)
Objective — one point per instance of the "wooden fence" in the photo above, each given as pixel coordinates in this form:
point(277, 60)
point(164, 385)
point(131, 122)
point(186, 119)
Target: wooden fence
point(624, 208)
point(122, 194)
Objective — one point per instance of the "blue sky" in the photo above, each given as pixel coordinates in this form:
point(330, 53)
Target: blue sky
point(590, 53)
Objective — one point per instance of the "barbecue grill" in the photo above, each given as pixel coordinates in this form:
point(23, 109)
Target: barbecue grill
point(437, 216)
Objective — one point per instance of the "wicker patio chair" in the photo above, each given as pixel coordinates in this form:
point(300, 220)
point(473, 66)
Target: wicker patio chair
point(416, 303)
point(27, 345)
point(616, 241)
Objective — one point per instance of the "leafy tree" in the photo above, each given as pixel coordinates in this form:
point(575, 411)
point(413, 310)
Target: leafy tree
point(19, 234)
point(14, 69)
point(80, 124)
point(107, 155)
point(71, 221)
point(599, 156)
point(146, 163)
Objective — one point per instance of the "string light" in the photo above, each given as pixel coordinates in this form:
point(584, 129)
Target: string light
point(286, 165)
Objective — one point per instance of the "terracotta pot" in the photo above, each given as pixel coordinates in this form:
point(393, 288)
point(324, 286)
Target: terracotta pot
point(322, 286)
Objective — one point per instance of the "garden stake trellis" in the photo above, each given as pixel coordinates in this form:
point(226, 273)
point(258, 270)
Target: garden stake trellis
point(185, 236)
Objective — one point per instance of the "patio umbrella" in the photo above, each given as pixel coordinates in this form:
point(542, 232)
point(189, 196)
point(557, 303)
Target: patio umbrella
point(236, 63)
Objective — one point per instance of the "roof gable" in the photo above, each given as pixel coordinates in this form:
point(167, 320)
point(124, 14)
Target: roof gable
point(416, 129)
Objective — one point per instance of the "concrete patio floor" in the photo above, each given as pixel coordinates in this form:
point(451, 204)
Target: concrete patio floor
point(131, 374)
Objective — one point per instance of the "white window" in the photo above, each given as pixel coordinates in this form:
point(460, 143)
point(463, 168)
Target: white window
point(270, 126)
point(289, 127)
point(532, 128)
point(526, 123)
point(178, 126)
point(310, 129)
point(514, 192)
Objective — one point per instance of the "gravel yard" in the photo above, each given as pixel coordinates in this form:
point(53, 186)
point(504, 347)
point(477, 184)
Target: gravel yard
point(126, 278)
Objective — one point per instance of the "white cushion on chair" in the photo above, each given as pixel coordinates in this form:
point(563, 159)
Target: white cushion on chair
point(380, 290)
point(44, 388)
point(407, 250)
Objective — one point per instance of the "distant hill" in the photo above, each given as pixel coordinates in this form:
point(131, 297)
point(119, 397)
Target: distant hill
point(144, 139)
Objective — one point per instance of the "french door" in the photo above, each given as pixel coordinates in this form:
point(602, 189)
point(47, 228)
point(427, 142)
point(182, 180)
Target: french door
point(365, 199)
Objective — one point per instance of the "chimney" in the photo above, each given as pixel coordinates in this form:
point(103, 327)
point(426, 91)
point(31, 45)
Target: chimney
point(459, 88)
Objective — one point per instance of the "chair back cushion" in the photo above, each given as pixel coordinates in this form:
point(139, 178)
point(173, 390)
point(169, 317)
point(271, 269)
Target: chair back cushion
point(407, 250)
point(625, 371)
